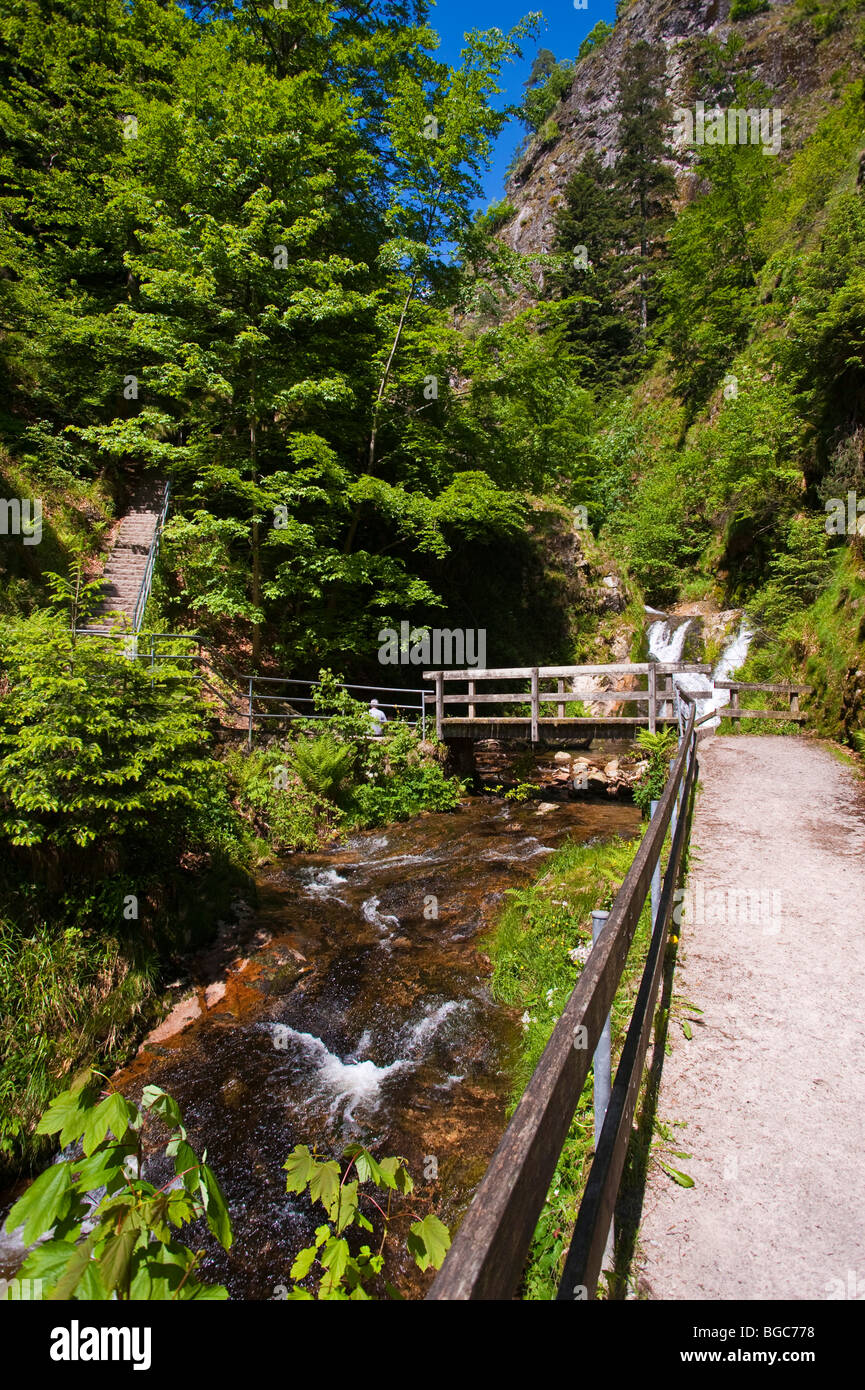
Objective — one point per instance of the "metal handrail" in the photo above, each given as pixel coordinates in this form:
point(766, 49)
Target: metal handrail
point(147, 579)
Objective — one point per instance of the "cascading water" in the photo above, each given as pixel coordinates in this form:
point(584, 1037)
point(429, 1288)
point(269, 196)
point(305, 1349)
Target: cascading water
point(666, 640)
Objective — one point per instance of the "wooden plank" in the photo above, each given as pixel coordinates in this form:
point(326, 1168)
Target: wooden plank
point(459, 724)
point(653, 707)
point(782, 689)
point(440, 713)
point(626, 668)
point(471, 700)
point(488, 1254)
point(516, 697)
point(560, 690)
point(726, 712)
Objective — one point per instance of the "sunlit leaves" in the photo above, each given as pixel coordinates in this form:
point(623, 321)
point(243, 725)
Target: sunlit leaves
point(129, 1251)
point(345, 1275)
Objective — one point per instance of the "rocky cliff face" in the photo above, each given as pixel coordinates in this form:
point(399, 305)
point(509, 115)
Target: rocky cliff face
point(794, 56)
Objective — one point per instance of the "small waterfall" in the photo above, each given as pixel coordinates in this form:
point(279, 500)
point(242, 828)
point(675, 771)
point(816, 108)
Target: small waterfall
point(667, 639)
point(732, 658)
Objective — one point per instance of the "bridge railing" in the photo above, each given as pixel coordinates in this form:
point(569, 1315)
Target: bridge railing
point(657, 695)
point(489, 1252)
point(252, 699)
point(733, 710)
point(280, 691)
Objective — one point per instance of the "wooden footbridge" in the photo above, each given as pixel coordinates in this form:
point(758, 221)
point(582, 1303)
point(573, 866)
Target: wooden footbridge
point(547, 703)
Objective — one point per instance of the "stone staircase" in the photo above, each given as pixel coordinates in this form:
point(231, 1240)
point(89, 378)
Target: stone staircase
point(127, 563)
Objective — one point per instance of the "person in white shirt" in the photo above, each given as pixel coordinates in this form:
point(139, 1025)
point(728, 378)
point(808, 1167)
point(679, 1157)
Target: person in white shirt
point(378, 717)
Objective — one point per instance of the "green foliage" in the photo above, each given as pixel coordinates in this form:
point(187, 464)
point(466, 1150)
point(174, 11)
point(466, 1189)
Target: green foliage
point(317, 783)
point(659, 749)
point(594, 38)
point(324, 766)
point(523, 791)
point(538, 951)
point(619, 215)
point(743, 9)
point(129, 1251)
point(343, 1275)
point(797, 574)
point(542, 99)
point(277, 803)
point(93, 745)
point(711, 284)
point(400, 780)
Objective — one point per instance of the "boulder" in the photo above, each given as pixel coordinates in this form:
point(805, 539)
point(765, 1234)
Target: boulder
point(214, 993)
point(183, 1013)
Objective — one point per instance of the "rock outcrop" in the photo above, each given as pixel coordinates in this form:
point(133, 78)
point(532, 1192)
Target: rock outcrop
point(795, 59)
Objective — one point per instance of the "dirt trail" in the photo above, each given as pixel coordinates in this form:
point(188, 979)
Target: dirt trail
point(772, 1085)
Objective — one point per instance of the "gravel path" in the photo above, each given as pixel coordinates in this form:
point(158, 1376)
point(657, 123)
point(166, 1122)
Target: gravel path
point(772, 1086)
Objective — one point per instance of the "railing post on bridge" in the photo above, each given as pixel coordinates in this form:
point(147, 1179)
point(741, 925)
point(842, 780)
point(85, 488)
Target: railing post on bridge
point(603, 1071)
point(471, 704)
point(560, 687)
point(249, 734)
point(653, 696)
point(440, 703)
point(535, 703)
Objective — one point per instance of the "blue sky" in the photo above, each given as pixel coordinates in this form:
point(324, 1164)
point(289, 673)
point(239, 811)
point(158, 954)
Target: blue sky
point(563, 31)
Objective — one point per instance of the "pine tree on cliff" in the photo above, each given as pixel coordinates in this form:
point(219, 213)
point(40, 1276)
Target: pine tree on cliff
point(592, 232)
point(644, 181)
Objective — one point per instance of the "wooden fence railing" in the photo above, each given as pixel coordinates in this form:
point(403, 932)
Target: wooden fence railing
point(657, 694)
point(489, 1251)
point(734, 711)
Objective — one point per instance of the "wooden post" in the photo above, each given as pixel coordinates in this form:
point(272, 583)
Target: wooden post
point(249, 735)
point(734, 703)
point(794, 702)
point(471, 705)
point(653, 695)
point(560, 686)
point(440, 703)
point(535, 704)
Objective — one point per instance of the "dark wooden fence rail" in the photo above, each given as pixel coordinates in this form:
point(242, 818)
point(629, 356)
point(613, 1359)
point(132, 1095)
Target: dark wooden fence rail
point(489, 1251)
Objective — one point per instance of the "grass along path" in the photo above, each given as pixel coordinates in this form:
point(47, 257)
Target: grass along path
point(538, 951)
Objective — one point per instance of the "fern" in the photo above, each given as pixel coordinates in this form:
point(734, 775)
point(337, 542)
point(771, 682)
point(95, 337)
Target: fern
point(325, 766)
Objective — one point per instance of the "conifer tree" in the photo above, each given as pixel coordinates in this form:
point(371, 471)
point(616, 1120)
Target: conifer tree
point(644, 178)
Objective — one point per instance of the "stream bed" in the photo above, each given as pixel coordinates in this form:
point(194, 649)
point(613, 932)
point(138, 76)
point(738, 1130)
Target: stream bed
point(359, 1014)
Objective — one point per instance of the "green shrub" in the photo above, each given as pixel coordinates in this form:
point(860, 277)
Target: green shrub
point(324, 766)
point(94, 748)
point(660, 748)
point(743, 9)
